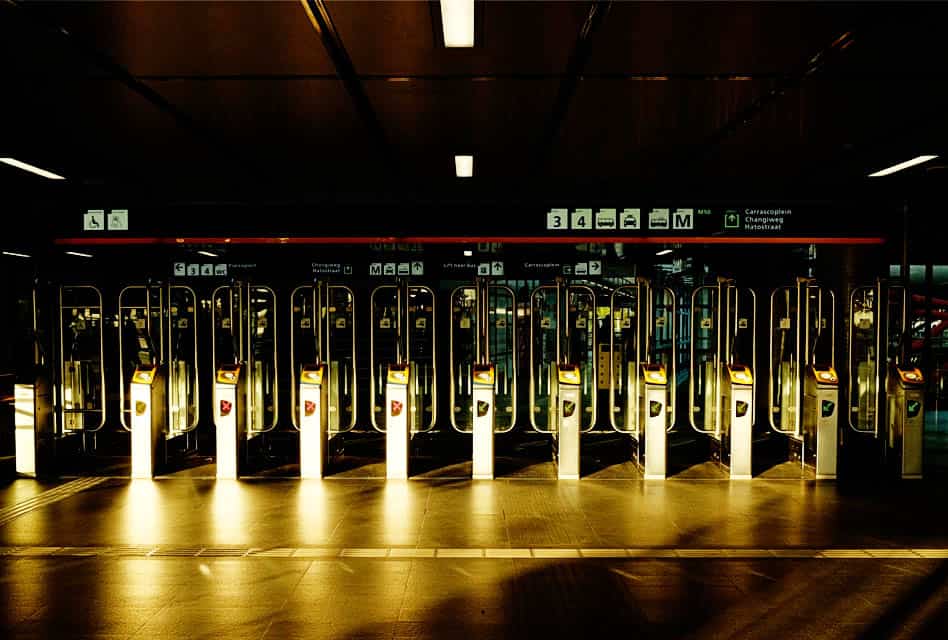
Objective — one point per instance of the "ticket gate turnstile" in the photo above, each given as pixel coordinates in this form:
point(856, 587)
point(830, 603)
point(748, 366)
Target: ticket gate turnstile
point(483, 366)
point(33, 422)
point(721, 387)
point(323, 359)
point(803, 389)
point(886, 390)
point(148, 401)
point(403, 376)
point(246, 389)
point(643, 347)
point(905, 391)
point(158, 365)
point(563, 390)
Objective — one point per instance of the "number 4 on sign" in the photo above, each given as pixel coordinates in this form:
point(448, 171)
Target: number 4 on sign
point(582, 219)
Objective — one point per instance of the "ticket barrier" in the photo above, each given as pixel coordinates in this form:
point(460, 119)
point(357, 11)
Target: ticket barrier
point(482, 456)
point(820, 424)
point(569, 409)
point(721, 387)
point(886, 390)
point(230, 418)
point(905, 416)
point(653, 447)
point(314, 421)
point(149, 417)
point(643, 344)
point(397, 423)
point(803, 386)
point(738, 420)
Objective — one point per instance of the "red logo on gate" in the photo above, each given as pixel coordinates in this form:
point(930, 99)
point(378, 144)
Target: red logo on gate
point(309, 407)
point(226, 406)
point(396, 408)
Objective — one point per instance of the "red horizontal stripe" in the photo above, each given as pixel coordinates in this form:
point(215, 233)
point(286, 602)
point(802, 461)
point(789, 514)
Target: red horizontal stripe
point(120, 241)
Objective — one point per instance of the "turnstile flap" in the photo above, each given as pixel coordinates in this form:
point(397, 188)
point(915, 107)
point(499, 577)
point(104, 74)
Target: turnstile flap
point(228, 374)
point(740, 374)
point(483, 375)
point(398, 373)
point(654, 374)
point(145, 374)
point(568, 374)
point(824, 375)
point(312, 373)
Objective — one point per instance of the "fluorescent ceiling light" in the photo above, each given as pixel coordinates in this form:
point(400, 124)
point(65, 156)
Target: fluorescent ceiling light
point(13, 162)
point(468, 253)
point(663, 252)
point(902, 165)
point(209, 254)
point(17, 254)
point(457, 22)
point(79, 254)
point(464, 166)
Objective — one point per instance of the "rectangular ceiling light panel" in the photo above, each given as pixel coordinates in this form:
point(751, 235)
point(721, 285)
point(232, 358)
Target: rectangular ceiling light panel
point(457, 22)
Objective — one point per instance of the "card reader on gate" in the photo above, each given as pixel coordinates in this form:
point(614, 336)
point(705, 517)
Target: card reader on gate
point(740, 374)
point(228, 374)
point(654, 374)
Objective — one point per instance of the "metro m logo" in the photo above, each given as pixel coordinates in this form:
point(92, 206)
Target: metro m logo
point(683, 219)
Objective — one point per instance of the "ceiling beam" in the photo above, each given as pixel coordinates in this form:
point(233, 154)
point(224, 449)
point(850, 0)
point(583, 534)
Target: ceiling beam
point(34, 18)
point(578, 59)
point(319, 17)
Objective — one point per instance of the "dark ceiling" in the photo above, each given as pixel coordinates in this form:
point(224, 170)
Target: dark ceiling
point(169, 93)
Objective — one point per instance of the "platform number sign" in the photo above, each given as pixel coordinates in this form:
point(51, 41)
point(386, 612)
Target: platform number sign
point(557, 219)
point(581, 219)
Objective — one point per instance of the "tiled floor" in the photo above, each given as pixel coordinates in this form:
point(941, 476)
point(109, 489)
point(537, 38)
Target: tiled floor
point(445, 558)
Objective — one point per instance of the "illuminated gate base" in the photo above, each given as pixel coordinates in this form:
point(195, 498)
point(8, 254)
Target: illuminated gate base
point(314, 435)
point(738, 395)
point(569, 410)
point(905, 391)
point(482, 457)
point(820, 431)
point(652, 410)
point(33, 428)
point(230, 420)
point(148, 419)
point(397, 424)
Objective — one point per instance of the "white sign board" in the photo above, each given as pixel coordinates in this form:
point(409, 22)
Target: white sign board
point(581, 219)
point(630, 219)
point(118, 220)
point(93, 220)
point(683, 219)
point(556, 219)
point(658, 219)
point(606, 219)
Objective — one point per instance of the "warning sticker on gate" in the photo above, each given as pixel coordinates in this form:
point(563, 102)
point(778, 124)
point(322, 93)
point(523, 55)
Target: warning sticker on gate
point(482, 408)
point(396, 408)
point(226, 407)
point(569, 408)
point(309, 407)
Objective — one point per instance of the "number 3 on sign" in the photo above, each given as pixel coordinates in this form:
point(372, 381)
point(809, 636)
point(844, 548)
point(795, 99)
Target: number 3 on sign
point(556, 219)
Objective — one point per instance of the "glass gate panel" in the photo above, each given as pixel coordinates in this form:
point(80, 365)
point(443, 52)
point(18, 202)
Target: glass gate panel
point(183, 374)
point(421, 354)
point(626, 354)
point(544, 355)
point(580, 335)
point(261, 343)
point(704, 382)
point(141, 338)
point(863, 359)
point(784, 397)
point(501, 332)
point(82, 372)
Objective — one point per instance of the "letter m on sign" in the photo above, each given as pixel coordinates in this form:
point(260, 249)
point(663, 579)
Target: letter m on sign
point(683, 219)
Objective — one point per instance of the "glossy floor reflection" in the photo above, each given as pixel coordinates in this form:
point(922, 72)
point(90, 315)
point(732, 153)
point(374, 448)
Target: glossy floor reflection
point(361, 598)
point(267, 513)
